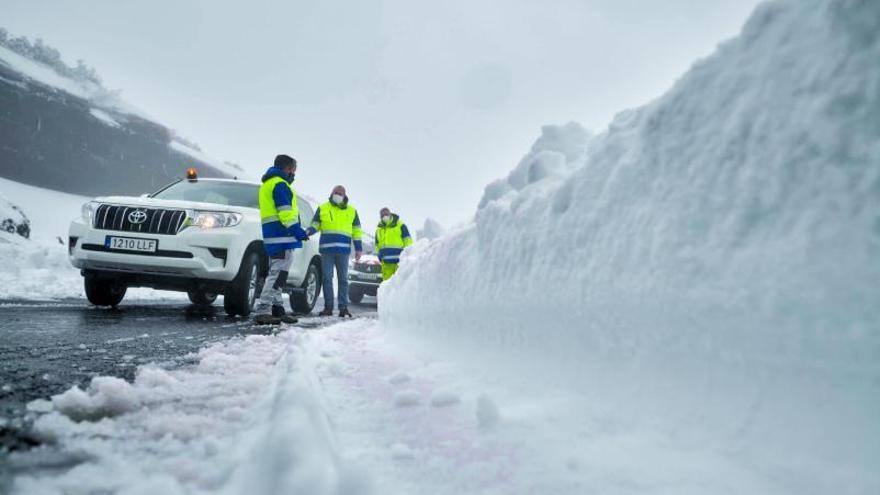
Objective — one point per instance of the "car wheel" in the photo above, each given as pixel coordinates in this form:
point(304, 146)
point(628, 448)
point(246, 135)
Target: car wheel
point(355, 295)
point(201, 298)
point(243, 291)
point(102, 291)
point(303, 301)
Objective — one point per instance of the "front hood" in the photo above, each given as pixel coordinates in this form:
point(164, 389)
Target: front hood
point(170, 203)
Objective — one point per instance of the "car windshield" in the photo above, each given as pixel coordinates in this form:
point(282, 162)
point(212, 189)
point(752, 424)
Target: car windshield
point(221, 193)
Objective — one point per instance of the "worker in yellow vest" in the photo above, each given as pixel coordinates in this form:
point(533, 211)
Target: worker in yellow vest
point(340, 227)
point(282, 233)
point(392, 237)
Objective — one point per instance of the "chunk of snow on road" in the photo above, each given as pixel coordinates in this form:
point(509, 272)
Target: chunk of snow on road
point(39, 406)
point(444, 398)
point(487, 412)
point(105, 396)
point(152, 377)
point(407, 398)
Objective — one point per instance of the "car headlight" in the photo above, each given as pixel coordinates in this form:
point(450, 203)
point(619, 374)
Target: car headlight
point(88, 212)
point(215, 219)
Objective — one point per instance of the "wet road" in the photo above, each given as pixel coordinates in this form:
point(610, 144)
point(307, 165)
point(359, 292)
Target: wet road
point(45, 348)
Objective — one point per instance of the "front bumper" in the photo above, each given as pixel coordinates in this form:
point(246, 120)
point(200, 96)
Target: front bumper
point(193, 253)
point(366, 280)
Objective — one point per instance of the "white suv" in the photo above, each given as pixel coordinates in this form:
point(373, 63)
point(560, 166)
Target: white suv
point(202, 236)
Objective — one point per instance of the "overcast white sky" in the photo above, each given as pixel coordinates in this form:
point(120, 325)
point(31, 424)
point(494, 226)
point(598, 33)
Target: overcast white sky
point(412, 104)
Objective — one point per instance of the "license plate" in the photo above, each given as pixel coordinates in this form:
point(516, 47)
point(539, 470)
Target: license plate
point(131, 244)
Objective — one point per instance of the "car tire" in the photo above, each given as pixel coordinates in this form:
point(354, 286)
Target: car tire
point(241, 294)
point(201, 298)
point(303, 301)
point(355, 294)
point(102, 291)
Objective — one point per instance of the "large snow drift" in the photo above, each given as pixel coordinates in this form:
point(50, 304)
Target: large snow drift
point(706, 267)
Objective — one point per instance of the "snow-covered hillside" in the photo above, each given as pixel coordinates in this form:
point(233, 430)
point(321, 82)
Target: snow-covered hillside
point(73, 135)
point(703, 273)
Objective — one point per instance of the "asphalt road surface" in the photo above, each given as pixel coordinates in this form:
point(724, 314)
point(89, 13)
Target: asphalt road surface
point(47, 347)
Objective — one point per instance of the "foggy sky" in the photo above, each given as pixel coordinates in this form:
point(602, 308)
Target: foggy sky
point(415, 105)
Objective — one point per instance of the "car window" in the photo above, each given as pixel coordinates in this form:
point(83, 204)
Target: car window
point(221, 193)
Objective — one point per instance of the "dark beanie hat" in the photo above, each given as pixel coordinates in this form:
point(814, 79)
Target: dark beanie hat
point(282, 161)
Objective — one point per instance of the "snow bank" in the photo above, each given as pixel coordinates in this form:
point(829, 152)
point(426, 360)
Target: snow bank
point(706, 268)
point(36, 270)
point(245, 419)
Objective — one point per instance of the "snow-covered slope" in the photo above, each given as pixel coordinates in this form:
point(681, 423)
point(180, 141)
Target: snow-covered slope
point(706, 269)
point(73, 135)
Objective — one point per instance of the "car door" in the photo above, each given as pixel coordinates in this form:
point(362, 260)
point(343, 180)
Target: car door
point(301, 257)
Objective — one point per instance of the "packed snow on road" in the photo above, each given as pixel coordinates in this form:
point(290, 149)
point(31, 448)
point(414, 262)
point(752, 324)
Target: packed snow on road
point(686, 302)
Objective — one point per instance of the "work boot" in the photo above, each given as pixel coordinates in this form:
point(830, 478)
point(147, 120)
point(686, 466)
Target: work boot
point(266, 319)
point(343, 312)
point(326, 312)
point(283, 317)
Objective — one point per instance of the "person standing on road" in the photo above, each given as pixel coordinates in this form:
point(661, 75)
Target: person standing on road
point(392, 237)
point(340, 226)
point(282, 233)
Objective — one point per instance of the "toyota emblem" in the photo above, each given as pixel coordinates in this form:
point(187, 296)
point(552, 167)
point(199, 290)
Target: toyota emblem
point(137, 217)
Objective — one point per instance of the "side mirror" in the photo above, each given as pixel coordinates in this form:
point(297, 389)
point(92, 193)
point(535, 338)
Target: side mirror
point(145, 195)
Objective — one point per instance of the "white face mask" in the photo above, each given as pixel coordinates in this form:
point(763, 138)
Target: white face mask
point(337, 198)
point(386, 219)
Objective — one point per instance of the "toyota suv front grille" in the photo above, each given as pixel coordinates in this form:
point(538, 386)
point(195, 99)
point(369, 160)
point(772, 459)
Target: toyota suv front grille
point(368, 267)
point(134, 219)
